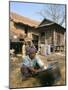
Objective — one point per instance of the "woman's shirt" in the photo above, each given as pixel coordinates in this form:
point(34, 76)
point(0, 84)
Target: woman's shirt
point(32, 63)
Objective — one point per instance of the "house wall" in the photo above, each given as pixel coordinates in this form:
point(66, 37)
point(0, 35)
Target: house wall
point(16, 34)
point(35, 38)
point(50, 35)
point(20, 32)
point(60, 37)
point(53, 36)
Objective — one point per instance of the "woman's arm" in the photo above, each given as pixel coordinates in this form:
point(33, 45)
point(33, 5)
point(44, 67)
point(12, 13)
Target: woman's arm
point(33, 70)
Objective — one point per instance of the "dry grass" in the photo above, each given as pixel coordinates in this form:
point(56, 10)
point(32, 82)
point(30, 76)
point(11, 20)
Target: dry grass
point(15, 75)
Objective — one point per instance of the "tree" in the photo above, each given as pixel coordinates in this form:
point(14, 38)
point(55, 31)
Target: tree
point(54, 12)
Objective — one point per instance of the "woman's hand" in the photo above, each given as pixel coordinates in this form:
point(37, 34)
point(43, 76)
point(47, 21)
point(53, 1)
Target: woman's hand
point(33, 70)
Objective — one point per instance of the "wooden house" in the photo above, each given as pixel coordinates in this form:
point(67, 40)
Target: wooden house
point(52, 34)
point(23, 30)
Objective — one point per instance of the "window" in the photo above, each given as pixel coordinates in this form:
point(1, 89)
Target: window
point(42, 34)
point(26, 29)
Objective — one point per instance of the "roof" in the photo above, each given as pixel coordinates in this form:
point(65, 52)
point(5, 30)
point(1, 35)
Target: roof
point(24, 20)
point(47, 22)
point(16, 32)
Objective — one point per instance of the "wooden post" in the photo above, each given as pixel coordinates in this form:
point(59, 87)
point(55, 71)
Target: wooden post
point(23, 50)
point(64, 41)
point(54, 40)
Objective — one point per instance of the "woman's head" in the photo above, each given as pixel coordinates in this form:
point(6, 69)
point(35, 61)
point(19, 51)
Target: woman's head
point(32, 52)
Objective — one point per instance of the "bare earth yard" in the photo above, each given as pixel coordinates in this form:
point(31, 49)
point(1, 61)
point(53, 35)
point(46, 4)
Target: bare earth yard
point(15, 75)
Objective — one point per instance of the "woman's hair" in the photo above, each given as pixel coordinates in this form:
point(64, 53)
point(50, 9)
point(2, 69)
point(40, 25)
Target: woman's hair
point(31, 49)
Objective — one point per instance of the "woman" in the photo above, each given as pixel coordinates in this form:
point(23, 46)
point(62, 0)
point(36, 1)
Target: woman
point(31, 63)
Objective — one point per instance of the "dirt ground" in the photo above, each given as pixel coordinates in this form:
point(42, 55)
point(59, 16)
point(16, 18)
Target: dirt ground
point(15, 74)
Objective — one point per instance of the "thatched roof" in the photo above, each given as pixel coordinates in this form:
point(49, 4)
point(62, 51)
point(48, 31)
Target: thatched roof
point(24, 20)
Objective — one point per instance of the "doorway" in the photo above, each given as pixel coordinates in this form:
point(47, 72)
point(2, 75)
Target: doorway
point(35, 40)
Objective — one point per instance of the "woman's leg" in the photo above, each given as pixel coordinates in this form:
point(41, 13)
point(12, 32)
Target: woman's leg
point(25, 71)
